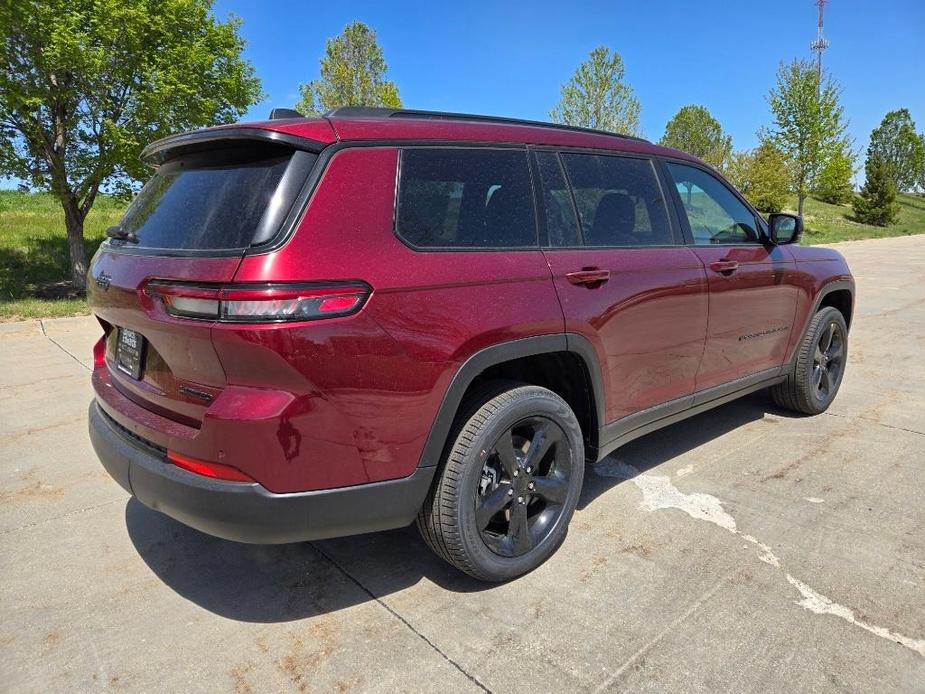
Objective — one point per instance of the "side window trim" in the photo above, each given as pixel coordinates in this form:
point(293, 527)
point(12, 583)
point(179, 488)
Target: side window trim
point(539, 199)
point(402, 148)
point(676, 212)
point(760, 224)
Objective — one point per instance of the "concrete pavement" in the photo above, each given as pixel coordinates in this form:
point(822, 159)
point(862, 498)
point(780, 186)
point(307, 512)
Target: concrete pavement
point(742, 550)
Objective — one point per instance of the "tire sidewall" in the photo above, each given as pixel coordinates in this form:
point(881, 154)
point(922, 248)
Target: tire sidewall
point(535, 402)
point(827, 316)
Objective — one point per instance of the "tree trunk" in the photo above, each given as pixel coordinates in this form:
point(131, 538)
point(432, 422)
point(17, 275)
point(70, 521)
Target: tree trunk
point(74, 222)
point(800, 198)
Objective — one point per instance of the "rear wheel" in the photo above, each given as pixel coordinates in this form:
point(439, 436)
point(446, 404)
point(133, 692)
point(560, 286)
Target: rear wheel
point(509, 484)
point(819, 367)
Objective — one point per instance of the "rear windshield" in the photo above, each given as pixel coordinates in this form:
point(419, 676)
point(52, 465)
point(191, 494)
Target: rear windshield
point(218, 199)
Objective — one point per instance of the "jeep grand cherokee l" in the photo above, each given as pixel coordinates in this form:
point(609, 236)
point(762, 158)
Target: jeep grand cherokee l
point(322, 326)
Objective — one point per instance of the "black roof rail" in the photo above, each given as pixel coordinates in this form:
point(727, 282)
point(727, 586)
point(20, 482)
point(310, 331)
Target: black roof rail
point(374, 112)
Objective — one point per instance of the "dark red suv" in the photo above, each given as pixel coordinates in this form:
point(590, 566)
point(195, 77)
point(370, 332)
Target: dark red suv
point(323, 326)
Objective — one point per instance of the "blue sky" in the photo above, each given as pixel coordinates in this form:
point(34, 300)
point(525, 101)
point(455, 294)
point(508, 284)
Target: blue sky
point(511, 58)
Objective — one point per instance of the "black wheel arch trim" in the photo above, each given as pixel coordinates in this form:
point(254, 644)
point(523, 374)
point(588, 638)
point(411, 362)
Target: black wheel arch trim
point(492, 355)
point(826, 289)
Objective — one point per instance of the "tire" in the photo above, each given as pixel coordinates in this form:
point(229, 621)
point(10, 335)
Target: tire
point(482, 515)
point(819, 366)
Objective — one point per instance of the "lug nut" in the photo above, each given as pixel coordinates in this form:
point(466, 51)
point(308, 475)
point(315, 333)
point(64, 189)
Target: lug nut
point(520, 499)
point(531, 486)
point(516, 472)
point(510, 492)
point(529, 470)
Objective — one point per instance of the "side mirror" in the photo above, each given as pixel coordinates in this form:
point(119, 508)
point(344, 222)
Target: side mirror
point(785, 228)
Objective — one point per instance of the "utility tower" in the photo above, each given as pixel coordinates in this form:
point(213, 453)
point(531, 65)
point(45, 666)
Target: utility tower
point(820, 44)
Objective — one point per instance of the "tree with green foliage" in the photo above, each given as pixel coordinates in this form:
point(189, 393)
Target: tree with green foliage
point(809, 125)
point(352, 74)
point(901, 147)
point(761, 175)
point(877, 202)
point(920, 176)
point(694, 130)
point(85, 84)
point(833, 184)
point(597, 96)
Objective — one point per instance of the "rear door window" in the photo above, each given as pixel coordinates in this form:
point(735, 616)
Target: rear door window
point(217, 200)
point(619, 200)
point(465, 198)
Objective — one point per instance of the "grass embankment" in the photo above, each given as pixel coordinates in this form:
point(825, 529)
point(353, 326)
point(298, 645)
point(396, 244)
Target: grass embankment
point(34, 255)
point(826, 223)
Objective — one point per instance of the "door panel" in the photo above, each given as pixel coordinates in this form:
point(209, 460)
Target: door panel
point(647, 322)
point(752, 297)
point(751, 312)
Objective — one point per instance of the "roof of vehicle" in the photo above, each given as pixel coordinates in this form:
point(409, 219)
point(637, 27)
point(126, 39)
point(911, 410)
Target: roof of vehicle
point(380, 124)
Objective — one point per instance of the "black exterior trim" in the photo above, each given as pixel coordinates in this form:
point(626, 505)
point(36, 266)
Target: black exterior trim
point(248, 512)
point(497, 354)
point(624, 430)
point(160, 150)
point(374, 112)
point(828, 288)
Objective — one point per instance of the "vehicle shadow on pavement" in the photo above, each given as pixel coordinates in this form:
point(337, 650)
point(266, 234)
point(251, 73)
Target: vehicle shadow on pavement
point(278, 583)
point(663, 445)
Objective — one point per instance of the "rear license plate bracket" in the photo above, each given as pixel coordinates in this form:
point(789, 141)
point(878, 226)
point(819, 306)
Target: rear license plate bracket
point(130, 349)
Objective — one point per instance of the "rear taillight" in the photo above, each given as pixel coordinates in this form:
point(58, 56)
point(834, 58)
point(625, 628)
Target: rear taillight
point(259, 303)
point(99, 353)
point(207, 469)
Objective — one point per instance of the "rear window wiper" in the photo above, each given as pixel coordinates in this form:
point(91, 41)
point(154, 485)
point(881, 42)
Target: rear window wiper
point(117, 232)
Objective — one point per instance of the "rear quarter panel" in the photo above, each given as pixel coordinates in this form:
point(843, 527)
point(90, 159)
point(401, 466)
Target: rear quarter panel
point(366, 388)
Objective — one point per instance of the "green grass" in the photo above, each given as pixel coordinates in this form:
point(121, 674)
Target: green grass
point(34, 256)
point(826, 223)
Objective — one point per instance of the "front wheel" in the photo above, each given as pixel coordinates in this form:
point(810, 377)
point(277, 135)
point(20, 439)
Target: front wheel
point(819, 365)
point(509, 484)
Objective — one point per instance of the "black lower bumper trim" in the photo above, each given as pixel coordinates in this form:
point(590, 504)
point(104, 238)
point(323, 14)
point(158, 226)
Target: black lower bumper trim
point(248, 512)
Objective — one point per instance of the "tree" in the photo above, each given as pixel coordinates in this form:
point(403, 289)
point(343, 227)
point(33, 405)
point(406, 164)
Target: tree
point(761, 175)
point(833, 184)
point(597, 96)
point(809, 125)
point(920, 177)
point(877, 202)
point(352, 74)
point(694, 130)
point(901, 147)
point(84, 84)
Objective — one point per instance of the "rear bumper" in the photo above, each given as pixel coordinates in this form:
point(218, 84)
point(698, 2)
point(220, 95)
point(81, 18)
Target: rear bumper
point(248, 512)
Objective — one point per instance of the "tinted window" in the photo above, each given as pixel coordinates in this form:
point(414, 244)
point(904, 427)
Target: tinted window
point(465, 198)
point(561, 222)
point(214, 200)
point(715, 214)
point(619, 200)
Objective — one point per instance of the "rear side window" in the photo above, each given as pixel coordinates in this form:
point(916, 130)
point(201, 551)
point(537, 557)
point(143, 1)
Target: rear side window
point(218, 199)
point(465, 198)
point(619, 200)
